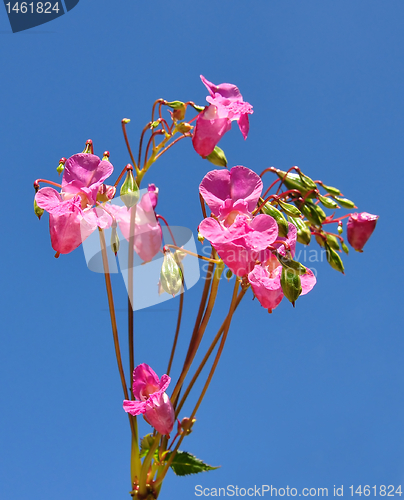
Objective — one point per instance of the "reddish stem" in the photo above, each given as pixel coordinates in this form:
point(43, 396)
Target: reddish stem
point(124, 170)
point(36, 183)
point(127, 142)
point(270, 187)
point(152, 137)
point(172, 144)
point(168, 227)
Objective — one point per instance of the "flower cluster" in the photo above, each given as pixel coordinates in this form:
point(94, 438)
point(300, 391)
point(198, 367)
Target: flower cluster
point(254, 234)
point(245, 242)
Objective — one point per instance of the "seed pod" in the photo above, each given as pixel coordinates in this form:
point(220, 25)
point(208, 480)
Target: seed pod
point(291, 285)
point(217, 157)
point(303, 232)
point(283, 227)
point(170, 275)
point(292, 265)
point(129, 190)
point(229, 274)
point(320, 239)
point(327, 202)
point(334, 259)
point(344, 202)
point(331, 190)
point(333, 241)
point(315, 212)
point(307, 181)
point(294, 181)
point(311, 213)
point(289, 209)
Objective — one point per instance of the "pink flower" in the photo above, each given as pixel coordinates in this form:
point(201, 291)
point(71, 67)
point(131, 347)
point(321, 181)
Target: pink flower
point(71, 216)
point(225, 105)
point(152, 401)
point(265, 279)
point(148, 235)
point(243, 243)
point(231, 193)
point(360, 228)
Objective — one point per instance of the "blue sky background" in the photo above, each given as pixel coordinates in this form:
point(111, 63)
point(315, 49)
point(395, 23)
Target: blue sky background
point(305, 397)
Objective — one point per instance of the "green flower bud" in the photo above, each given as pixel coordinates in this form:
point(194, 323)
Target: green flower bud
point(114, 240)
point(289, 209)
point(229, 274)
point(184, 127)
point(61, 166)
point(291, 285)
point(38, 210)
point(129, 190)
point(217, 157)
point(294, 181)
point(196, 107)
point(283, 227)
point(340, 229)
point(170, 275)
point(176, 104)
point(334, 259)
point(327, 202)
point(331, 190)
point(344, 247)
point(303, 232)
point(145, 444)
point(344, 202)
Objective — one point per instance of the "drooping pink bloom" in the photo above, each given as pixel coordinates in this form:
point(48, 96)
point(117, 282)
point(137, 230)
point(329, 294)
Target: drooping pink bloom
point(225, 105)
point(243, 243)
point(71, 216)
point(231, 193)
point(151, 399)
point(360, 228)
point(148, 235)
point(265, 278)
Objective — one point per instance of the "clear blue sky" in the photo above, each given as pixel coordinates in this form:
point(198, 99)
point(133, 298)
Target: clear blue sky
point(310, 397)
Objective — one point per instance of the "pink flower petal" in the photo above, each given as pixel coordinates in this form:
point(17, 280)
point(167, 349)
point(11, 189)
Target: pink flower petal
point(266, 286)
point(85, 170)
point(48, 198)
point(208, 132)
point(244, 125)
point(226, 90)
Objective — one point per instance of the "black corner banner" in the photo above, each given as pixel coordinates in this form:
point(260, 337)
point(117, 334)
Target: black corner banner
point(26, 15)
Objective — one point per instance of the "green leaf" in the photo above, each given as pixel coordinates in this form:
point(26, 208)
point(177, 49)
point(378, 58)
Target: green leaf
point(184, 464)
